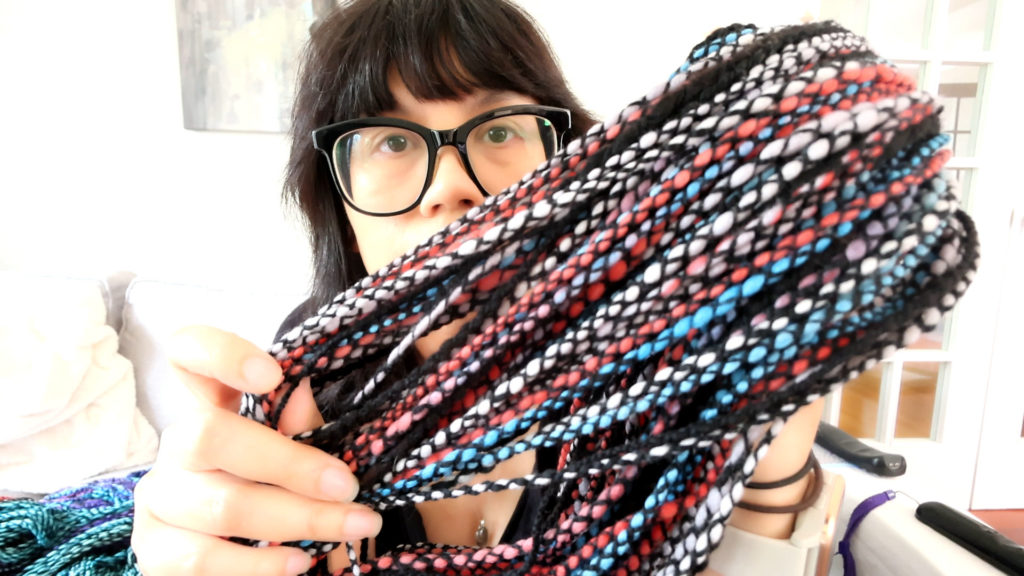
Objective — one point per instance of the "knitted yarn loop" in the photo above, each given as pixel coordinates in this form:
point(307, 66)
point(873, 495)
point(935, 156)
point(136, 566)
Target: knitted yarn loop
point(84, 530)
point(653, 302)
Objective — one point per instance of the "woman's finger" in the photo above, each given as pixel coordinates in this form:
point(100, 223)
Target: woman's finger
point(166, 550)
point(221, 440)
point(223, 505)
point(301, 413)
point(208, 359)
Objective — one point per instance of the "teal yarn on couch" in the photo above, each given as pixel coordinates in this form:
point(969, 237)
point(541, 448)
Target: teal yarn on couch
point(80, 531)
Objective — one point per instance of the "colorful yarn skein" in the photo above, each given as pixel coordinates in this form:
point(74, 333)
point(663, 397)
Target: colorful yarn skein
point(653, 302)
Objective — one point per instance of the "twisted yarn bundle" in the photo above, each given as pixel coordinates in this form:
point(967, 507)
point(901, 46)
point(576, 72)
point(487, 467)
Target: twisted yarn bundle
point(654, 302)
point(85, 530)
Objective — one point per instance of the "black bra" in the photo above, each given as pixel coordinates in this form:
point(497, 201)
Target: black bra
point(405, 526)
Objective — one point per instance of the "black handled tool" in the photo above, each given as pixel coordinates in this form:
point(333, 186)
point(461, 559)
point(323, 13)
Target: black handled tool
point(858, 453)
point(983, 541)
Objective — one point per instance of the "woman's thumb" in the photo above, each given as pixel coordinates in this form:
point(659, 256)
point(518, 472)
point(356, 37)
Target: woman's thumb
point(301, 413)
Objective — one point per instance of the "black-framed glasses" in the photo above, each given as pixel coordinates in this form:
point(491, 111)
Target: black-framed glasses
point(383, 166)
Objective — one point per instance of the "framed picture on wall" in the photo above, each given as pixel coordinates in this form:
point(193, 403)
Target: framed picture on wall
point(239, 60)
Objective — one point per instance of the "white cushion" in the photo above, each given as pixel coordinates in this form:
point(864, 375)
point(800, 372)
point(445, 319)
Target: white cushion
point(154, 310)
point(70, 411)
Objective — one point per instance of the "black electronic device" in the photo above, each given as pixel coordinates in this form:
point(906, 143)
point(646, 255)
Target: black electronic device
point(858, 453)
point(978, 538)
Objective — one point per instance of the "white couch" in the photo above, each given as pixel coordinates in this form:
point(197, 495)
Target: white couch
point(154, 309)
point(83, 370)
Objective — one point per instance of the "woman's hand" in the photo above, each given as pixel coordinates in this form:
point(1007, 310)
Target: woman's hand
point(219, 474)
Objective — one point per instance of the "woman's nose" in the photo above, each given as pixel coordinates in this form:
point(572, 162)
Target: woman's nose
point(451, 189)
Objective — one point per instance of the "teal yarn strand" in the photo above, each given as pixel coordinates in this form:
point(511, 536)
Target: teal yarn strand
point(82, 531)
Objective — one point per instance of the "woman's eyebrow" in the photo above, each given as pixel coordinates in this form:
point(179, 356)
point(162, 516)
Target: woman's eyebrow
point(491, 97)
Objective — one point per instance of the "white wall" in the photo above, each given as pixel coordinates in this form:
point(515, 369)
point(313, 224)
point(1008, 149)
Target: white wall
point(613, 51)
point(98, 174)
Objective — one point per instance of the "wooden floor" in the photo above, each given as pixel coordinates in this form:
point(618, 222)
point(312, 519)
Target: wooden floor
point(859, 407)
point(1009, 523)
point(859, 410)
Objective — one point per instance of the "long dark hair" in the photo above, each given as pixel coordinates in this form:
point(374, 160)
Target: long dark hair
point(442, 49)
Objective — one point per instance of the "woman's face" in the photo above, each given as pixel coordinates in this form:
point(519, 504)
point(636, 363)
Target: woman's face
point(450, 194)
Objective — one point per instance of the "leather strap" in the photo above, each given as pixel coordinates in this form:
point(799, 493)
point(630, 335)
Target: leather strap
point(788, 480)
point(810, 496)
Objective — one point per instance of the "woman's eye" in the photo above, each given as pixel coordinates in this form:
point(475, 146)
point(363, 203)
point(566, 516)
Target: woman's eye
point(498, 135)
point(396, 143)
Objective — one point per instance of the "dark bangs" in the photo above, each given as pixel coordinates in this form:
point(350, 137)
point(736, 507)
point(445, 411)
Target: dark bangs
point(450, 48)
point(442, 49)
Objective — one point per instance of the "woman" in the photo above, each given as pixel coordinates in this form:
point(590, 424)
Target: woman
point(412, 66)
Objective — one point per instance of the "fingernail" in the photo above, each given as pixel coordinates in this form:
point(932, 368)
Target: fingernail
point(298, 563)
point(338, 486)
point(261, 370)
point(363, 522)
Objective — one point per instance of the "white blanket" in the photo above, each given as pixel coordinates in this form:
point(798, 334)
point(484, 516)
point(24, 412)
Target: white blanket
point(68, 409)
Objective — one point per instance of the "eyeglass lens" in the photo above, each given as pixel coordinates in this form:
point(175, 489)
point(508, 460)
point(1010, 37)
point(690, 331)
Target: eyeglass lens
point(383, 169)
